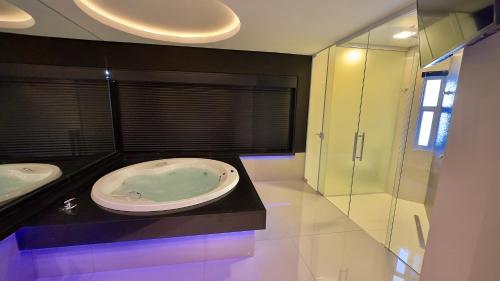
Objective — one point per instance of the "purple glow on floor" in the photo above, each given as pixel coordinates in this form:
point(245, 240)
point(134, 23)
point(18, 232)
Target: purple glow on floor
point(166, 253)
point(277, 204)
point(15, 265)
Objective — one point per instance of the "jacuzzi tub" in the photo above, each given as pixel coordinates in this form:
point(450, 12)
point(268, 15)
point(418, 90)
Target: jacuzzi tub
point(19, 179)
point(164, 185)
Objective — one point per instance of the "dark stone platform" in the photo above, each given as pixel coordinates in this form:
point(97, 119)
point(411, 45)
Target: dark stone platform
point(240, 210)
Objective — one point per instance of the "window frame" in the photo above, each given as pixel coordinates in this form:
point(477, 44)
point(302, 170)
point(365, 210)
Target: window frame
point(443, 76)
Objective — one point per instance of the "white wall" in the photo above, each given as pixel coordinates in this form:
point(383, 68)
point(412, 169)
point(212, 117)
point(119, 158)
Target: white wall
point(464, 239)
point(315, 116)
point(273, 168)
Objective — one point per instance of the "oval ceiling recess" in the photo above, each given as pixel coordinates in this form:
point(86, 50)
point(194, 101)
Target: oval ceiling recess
point(181, 21)
point(14, 17)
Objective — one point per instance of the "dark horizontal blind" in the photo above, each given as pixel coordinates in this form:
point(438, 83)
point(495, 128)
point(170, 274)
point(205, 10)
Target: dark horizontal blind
point(167, 116)
point(54, 117)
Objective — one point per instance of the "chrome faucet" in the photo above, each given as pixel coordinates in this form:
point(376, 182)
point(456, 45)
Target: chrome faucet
point(69, 205)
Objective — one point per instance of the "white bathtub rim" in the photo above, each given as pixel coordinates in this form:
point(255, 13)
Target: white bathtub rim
point(54, 172)
point(143, 205)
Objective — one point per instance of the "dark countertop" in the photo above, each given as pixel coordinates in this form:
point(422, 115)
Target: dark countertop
point(239, 210)
point(16, 212)
point(69, 167)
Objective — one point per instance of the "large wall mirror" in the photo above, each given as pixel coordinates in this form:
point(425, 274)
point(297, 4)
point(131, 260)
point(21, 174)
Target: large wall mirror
point(66, 104)
point(55, 120)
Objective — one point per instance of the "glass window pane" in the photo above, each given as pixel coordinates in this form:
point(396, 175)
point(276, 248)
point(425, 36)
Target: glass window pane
point(451, 85)
point(425, 128)
point(448, 100)
point(431, 94)
point(442, 132)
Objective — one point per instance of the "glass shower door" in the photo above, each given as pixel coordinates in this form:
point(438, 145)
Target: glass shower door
point(378, 143)
point(344, 89)
point(387, 94)
point(421, 167)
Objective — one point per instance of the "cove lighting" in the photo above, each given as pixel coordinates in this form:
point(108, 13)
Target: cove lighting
point(181, 21)
point(404, 34)
point(12, 17)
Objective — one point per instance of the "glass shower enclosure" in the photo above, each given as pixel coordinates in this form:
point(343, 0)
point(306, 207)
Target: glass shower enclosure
point(383, 133)
point(370, 94)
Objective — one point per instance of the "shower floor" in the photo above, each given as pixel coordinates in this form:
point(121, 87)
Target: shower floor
point(371, 213)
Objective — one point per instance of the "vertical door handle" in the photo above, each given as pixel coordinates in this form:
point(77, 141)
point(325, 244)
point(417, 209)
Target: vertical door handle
point(362, 147)
point(355, 146)
point(341, 274)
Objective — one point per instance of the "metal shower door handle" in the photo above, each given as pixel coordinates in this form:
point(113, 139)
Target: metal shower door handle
point(355, 146)
point(362, 147)
point(343, 273)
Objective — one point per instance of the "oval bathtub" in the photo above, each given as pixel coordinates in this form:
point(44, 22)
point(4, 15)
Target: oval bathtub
point(19, 179)
point(164, 185)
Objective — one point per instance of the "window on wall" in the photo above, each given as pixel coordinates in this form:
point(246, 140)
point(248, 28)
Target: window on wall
point(435, 112)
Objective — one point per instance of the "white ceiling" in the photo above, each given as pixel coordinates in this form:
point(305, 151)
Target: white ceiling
point(383, 35)
point(284, 26)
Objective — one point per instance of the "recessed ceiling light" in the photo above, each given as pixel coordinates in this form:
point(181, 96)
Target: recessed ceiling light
point(404, 34)
point(354, 55)
point(182, 21)
point(13, 17)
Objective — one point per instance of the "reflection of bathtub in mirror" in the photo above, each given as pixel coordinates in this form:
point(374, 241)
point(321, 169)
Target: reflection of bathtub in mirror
point(19, 179)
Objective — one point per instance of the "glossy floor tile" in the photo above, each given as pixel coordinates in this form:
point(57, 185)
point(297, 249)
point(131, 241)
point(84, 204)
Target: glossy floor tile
point(294, 209)
point(371, 213)
point(405, 240)
point(351, 256)
point(307, 239)
point(15, 265)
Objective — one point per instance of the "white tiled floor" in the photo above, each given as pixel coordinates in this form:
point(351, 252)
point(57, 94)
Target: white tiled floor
point(307, 238)
point(371, 212)
point(404, 239)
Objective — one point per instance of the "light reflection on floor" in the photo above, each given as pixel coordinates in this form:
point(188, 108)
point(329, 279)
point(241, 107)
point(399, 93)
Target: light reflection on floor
point(307, 238)
point(371, 213)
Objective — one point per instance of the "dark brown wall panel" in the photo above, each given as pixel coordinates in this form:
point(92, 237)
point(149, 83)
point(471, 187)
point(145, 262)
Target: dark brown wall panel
point(47, 118)
point(128, 56)
point(173, 117)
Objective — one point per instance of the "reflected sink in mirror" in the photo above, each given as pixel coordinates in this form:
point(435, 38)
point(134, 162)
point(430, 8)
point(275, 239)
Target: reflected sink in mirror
point(19, 179)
